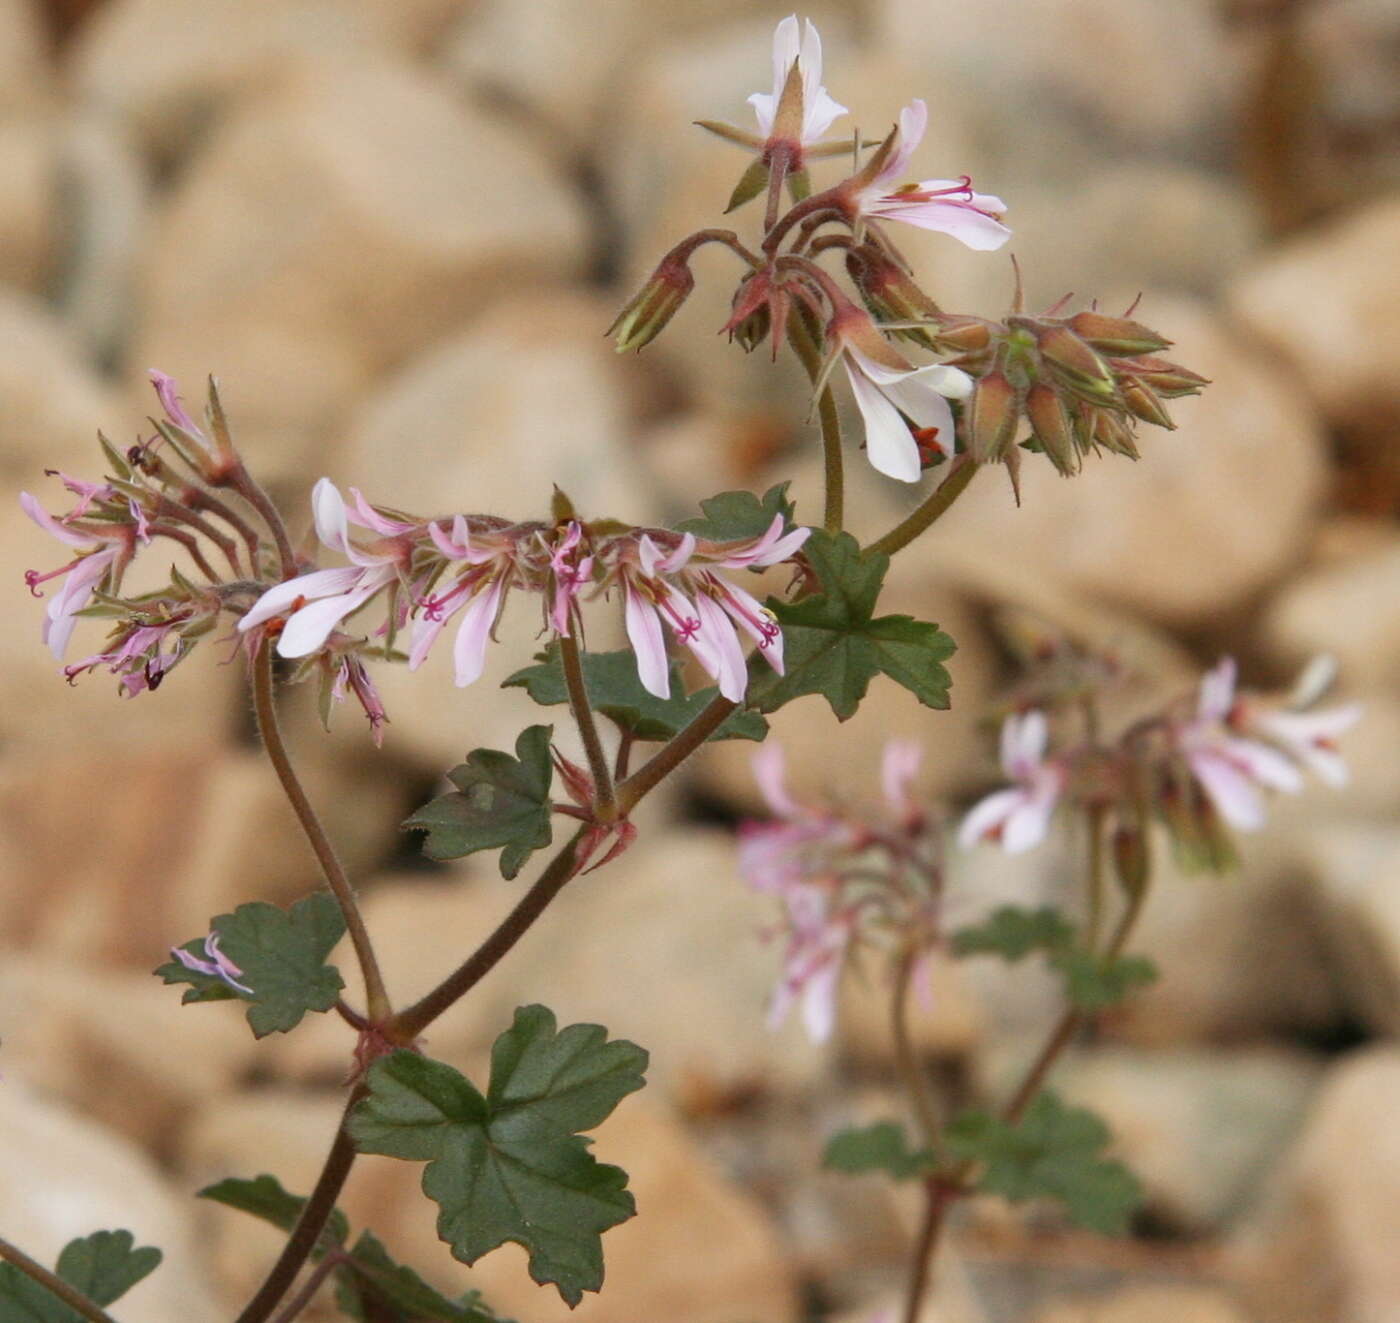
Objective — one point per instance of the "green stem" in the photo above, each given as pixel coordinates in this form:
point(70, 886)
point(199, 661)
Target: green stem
point(673, 753)
point(805, 345)
point(906, 1059)
point(315, 1214)
point(1093, 922)
point(960, 473)
point(411, 1022)
point(604, 804)
point(55, 1285)
point(378, 1006)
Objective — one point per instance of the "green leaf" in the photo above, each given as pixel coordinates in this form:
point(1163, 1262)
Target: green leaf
point(751, 183)
point(834, 644)
point(374, 1288)
point(616, 692)
point(1054, 1152)
point(878, 1147)
point(1091, 982)
point(1013, 933)
point(103, 1266)
point(500, 801)
point(738, 516)
point(282, 956)
point(510, 1165)
point(264, 1197)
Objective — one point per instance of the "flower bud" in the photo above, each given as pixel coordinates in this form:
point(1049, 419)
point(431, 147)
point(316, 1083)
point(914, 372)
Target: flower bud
point(1115, 335)
point(1112, 433)
point(1132, 859)
point(964, 335)
point(1075, 366)
point(890, 293)
point(1143, 402)
point(646, 316)
point(1169, 380)
point(1052, 427)
point(992, 415)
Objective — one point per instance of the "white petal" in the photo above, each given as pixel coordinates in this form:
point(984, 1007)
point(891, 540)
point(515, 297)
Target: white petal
point(308, 629)
point(328, 511)
point(469, 647)
point(1218, 691)
point(1027, 825)
point(721, 645)
point(985, 816)
point(644, 634)
point(279, 598)
point(770, 771)
point(889, 445)
point(1230, 790)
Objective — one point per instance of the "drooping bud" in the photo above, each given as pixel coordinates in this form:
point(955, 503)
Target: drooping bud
point(1075, 366)
point(992, 415)
point(1052, 427)
point(646, 316)
point(1132, 858)
point(892, 295)
point(1117, 336)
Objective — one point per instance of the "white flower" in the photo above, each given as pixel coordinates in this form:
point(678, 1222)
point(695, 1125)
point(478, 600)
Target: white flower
point(1019, 816)
point(819, 111)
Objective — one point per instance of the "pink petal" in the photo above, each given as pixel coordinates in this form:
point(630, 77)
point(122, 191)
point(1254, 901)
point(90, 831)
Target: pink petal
point(644, 634)
point(899, 765)
point(721, 647)
point(1232, 792)
point(469, 647)
point(770, 771)
point(55, 527)
point(1218, 691)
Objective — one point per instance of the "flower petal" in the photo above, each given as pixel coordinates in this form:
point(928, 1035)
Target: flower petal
point(644, 634)
point(479, 618)
point(889, 445)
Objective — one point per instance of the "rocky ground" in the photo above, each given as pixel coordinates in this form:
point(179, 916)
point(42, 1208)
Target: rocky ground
point(396, 231)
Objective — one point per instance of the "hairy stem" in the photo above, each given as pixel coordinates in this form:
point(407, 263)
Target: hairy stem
point(833, 470)
point(938, 1197)
point(247, 487)
point(1093, 922)
point(378, 1006)
point(906, 1059)
point(307, 1290)
point(673, 753)
point(961, 472)
point(604, 803)
point(54, 1284)
point(314, 1215)
point(411, 1022)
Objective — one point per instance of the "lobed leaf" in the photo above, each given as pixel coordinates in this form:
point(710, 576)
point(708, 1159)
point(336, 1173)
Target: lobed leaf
point(103, 1266)
point(879, 1147)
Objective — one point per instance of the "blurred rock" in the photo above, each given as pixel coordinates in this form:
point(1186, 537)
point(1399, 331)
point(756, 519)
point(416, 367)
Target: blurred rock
point(26, 75)
point(62, 1177)
point(117, 1045)
point(29, 204)
point(170, 68)
point(1201, 1128)
point(1245, 461)
point(1344, 606)
point(1329, 303)
point(332, 227)
point(653, 1270)
point(1324, 1246)
point(1150, 1304)
point(951, 1299)
point(1102, 70)
point(105, 214)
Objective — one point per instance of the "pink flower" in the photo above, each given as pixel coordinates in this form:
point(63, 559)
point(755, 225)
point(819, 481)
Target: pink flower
point(321, 600)
point(103, 551)
point(218, 965)
point(946, 205)
point(1231, 770)
point(1309, 737)
point(572, 573)
point(819, 111)
point(142, 654)
point(1019, 816)
point(899, 766)
point(352, 677)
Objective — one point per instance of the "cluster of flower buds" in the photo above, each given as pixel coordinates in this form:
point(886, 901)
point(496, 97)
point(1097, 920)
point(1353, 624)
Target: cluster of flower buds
point(847, 881)
point(426, 572)
point(1201, 769)
point(1081, 382)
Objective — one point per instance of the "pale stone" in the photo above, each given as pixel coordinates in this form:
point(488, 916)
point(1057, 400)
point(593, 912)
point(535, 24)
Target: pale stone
point(29, 205)
point(118, 1045)
point(62, 1177)
point(1328, 302)
point(169, 68)
point(26, 73)
point(1210, 514)
point(1344, 606)
point(330, 228)
point(1150, 1304)
point(1324, 1248)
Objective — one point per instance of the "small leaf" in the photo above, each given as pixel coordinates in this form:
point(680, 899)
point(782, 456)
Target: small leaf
point(1054, 1152)
point(282, 956)
point(878, 1147)
point(500, 801)
point(738, 516)
point(1092, 983)
point(510, 1165)
point(834, 644)
point(264, 1197)
point(1013, 933)
point(616, 692)
point(751, 183)
point(375, 1289)
point(103, 1266)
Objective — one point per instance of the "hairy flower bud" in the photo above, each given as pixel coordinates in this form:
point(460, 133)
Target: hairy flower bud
point(1052, 427)
point(1117, 336)
point(1143, 402)
point(1169, 380)
point(647, 315)
point(1132, 858)
point(992, 415)
point(1075, 366)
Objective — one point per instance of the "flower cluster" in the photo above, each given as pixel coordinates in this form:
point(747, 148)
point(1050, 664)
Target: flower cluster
point(428, 572)
point(845, 881)
point(1201, 768)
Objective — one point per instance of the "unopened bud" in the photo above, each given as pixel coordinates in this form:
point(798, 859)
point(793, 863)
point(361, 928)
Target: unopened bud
point(1170, 380)
point(1132, 859)
point(964, 335)
point(1144, 402)
point(1052, 427)
point(992, 415)
point(1116, 335)
point(1075, 366)
point(1112, 433)
point(890, 293)
point(646, 316)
